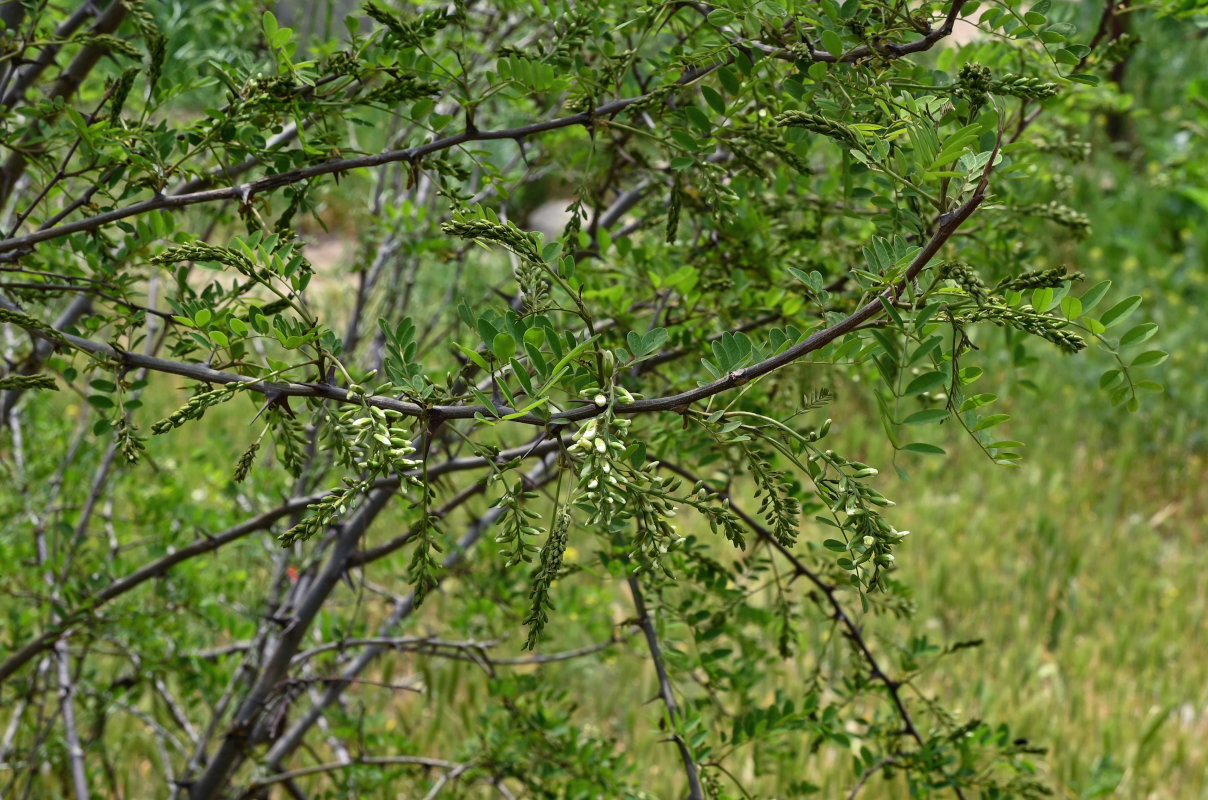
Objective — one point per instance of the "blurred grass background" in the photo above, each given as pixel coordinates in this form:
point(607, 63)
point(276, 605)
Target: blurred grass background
point(1083, 570)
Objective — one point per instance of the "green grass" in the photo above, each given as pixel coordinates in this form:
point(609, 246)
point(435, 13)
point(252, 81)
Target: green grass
point(1080, 571)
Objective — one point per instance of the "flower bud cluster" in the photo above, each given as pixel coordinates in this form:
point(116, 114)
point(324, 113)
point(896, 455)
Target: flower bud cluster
point(1025, 318)
point(321, 514)
point(199, 251)
point(246, 460)
point(32, 324)
point(404, 87)
point(872, 542)
point(546, 573)
point(598, 445)
point(752, 144)
point(21, 382)
point(128, 440)
point(1118, 49)
point(974, 82)
point(818, 124)
point(522, 244)
point(410, 32)
point(965, 277)
point(530, 273)
point(196, 407)
point(619, 492)
point(654, 99)
point(656, 535)
point(1076, 221)
point(520, 524)
point(1070, 149)
point(1038, 279)
point(870, 538)
point(374, 443)
point(292, 437)
point(1025, 87)
point(716, 509)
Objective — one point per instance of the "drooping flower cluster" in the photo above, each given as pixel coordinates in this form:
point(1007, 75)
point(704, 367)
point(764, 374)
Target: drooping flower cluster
point(599, 444)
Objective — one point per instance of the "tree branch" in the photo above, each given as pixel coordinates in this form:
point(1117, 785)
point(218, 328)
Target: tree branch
point(208, 544)
point(13, 11)
point(948, 224)
point(292, 738)
point(830, 591)
point(244, 192)
point(666, 691)
point(316, 769)
point(235, 745)
point(64, 86)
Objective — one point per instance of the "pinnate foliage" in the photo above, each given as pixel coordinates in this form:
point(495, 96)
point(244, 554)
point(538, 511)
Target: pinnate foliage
point(772, 215)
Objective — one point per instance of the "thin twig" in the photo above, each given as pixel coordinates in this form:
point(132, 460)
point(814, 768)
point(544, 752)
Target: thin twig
point(830, 592)
point(316, 769)
point(868, 773)
point(666, 692)
point(211, 543)
point(244, 192)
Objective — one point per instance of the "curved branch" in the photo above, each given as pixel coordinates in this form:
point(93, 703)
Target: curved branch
point(420, 761)
point(890, 50)
point(947, 227)
point(851, 630)
point(155, 569)
point(244, 192)
point(439, 647)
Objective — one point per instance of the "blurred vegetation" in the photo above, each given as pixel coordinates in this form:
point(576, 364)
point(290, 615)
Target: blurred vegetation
point(1077, 574)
